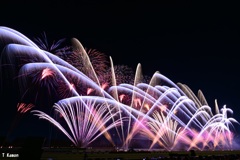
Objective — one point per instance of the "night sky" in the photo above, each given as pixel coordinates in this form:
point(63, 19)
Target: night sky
point(197, 44)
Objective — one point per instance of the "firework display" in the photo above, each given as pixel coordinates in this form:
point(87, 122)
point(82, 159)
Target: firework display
point(92, 98)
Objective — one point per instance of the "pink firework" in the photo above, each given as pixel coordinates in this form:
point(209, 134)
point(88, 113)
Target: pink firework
point(23, 107)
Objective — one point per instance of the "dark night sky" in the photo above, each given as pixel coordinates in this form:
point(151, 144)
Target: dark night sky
point(189, 42)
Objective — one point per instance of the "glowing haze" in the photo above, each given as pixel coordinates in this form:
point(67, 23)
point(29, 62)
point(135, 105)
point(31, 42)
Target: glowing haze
point(92, 98)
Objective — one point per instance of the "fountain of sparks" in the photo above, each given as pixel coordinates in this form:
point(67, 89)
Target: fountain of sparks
point(91, 102)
